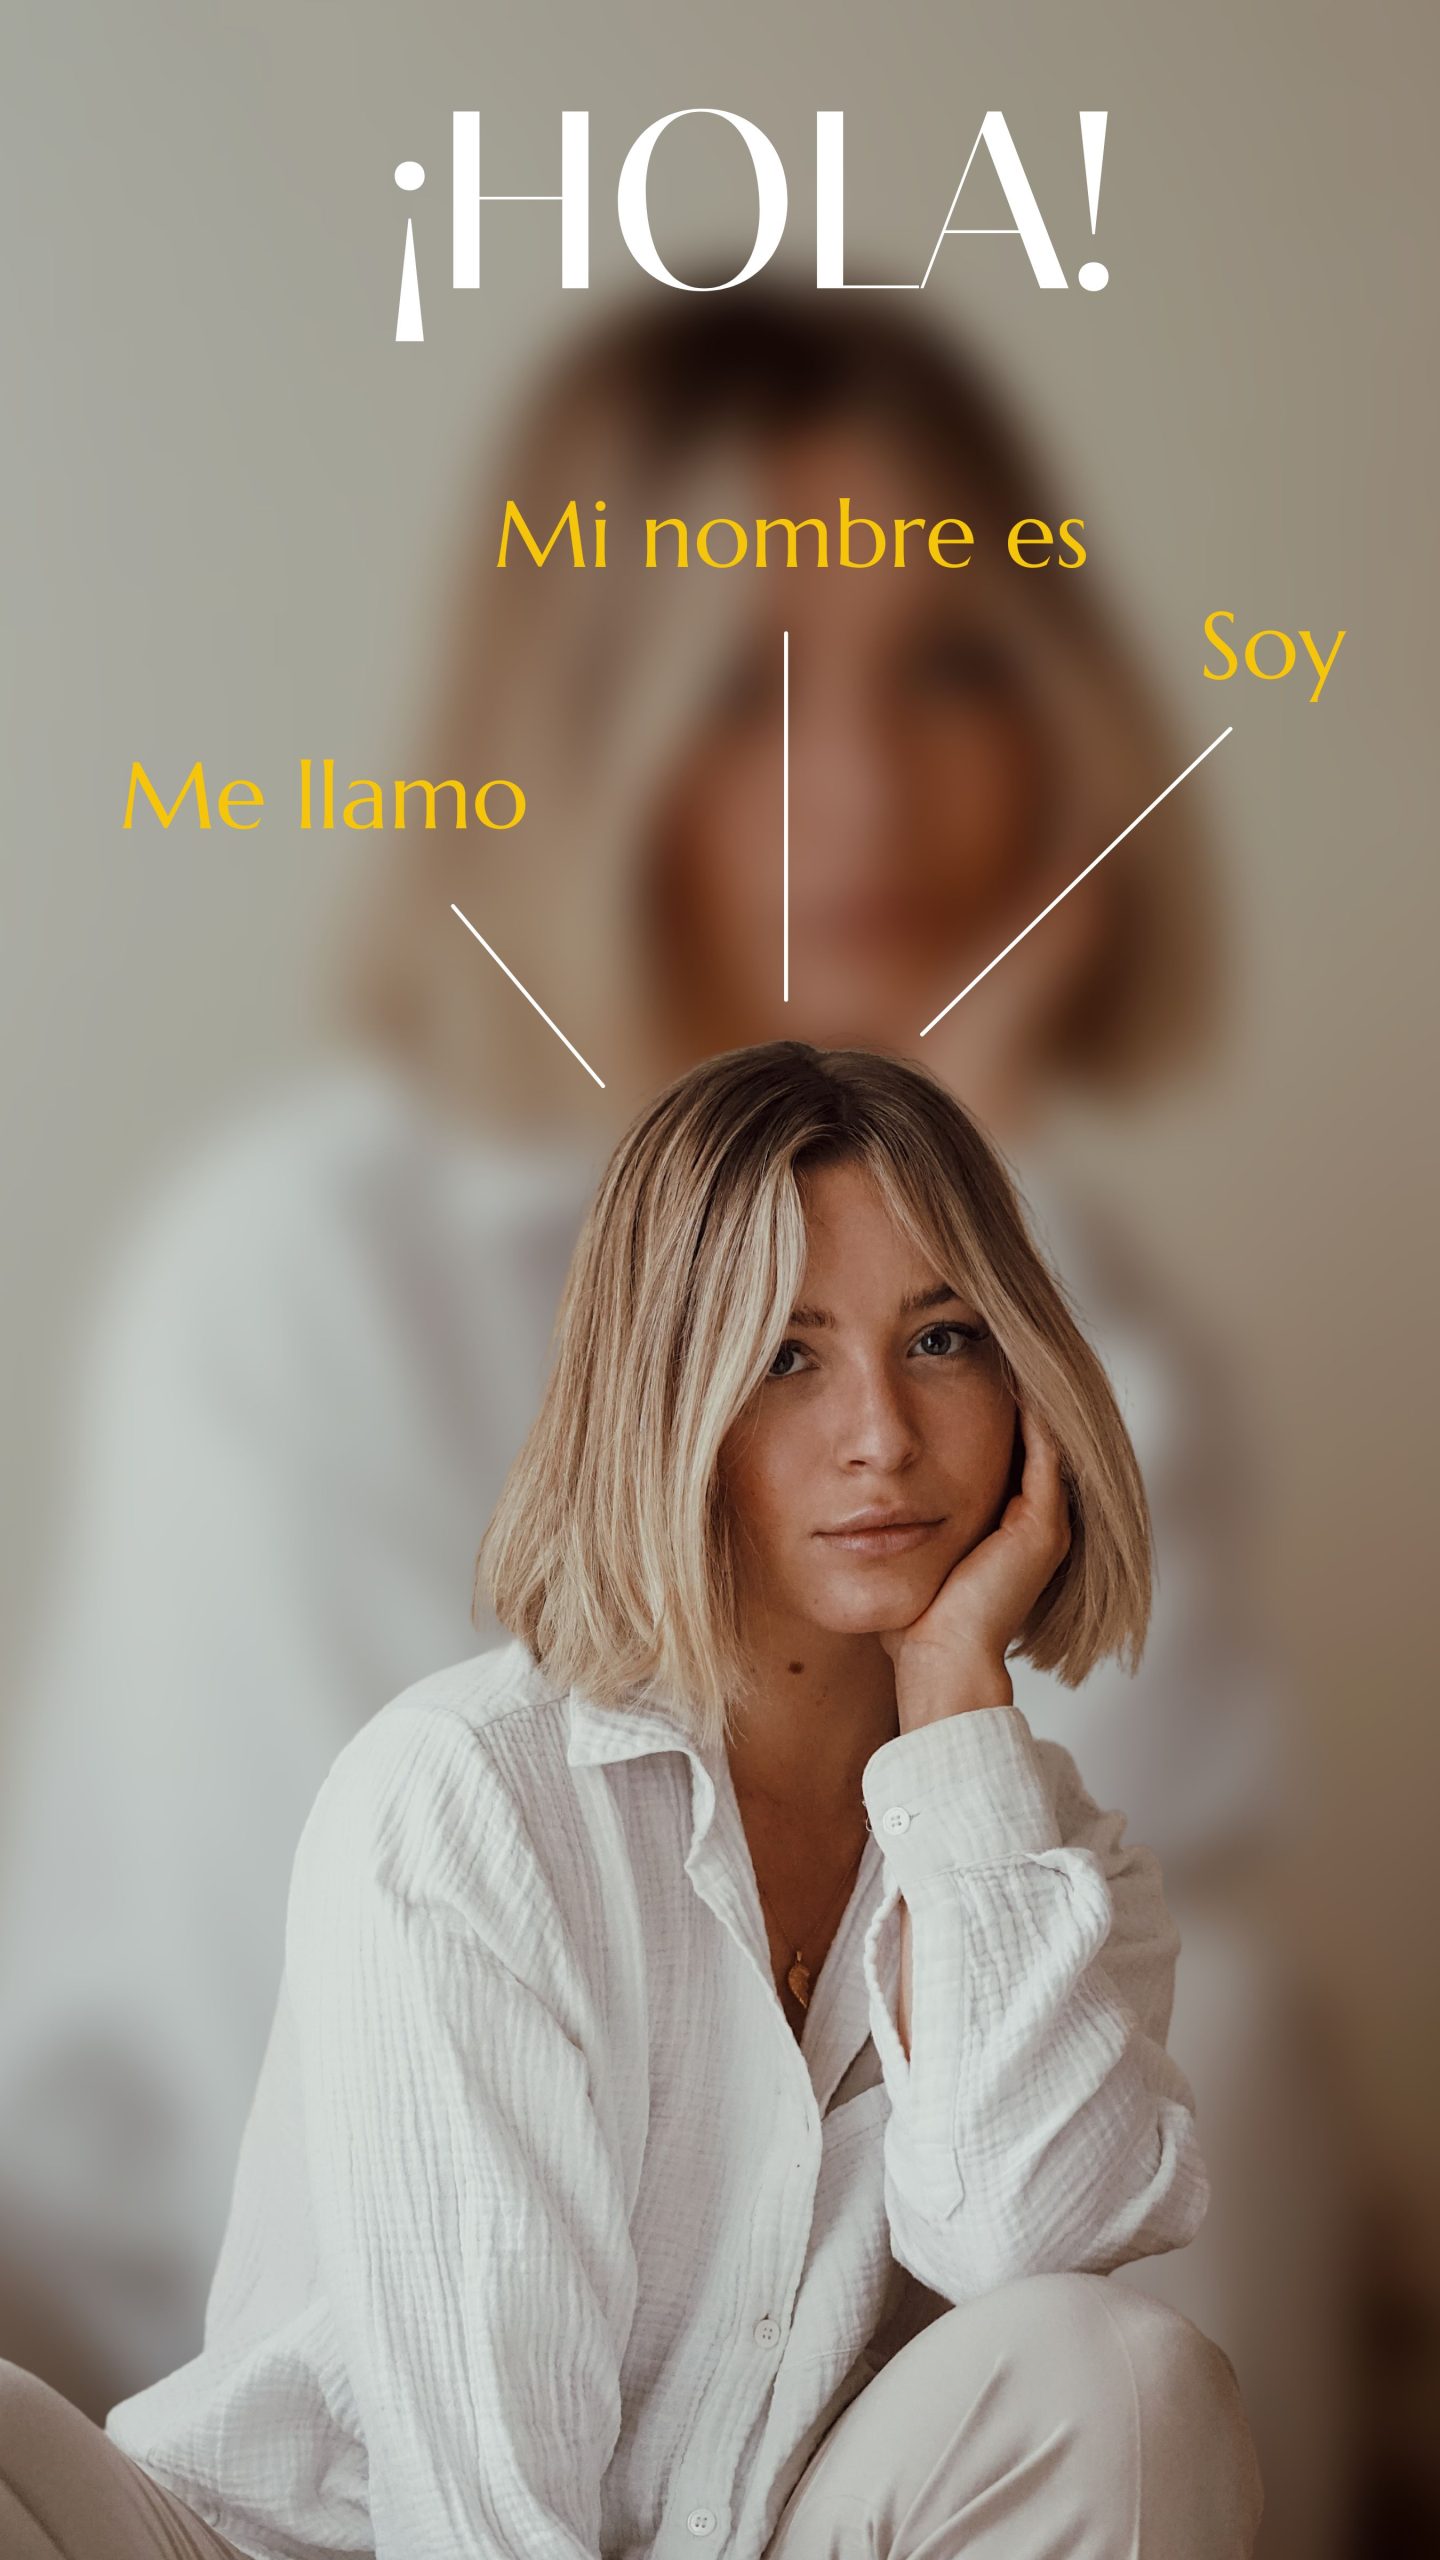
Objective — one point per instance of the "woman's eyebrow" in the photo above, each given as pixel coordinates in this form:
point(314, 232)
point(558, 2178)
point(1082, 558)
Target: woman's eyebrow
point(915, 1304)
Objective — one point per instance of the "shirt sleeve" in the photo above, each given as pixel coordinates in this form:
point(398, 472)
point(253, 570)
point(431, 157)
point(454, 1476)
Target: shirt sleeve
point(1039, 2124)
point(471, 2226)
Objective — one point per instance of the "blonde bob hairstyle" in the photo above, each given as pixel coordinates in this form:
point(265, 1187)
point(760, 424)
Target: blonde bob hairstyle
point(611, 1552)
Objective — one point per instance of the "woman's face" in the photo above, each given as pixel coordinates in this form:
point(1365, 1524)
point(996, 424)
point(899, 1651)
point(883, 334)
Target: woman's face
point(916, 781)
point(877, 1452)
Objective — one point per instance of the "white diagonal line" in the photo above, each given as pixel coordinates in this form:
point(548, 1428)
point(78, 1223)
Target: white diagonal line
point(515, 982)
point(1075, 883)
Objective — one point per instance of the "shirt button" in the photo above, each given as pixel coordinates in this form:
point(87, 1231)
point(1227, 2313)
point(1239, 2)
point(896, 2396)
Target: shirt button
point(767, 2332)
point(701, 2520)
point(895, 1818)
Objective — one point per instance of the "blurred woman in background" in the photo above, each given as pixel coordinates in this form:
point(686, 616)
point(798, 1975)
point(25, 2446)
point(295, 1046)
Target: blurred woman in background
point(321, 1350)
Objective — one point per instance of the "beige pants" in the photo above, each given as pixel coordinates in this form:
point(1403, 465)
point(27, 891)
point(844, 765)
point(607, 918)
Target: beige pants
point(1061, 2418)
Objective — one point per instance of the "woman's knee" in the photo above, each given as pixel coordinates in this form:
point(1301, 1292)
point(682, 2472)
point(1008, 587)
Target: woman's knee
point(1149, 2393)
point(1081, 2336)
point(22, 2403)
point(1190, 2420)
point(1169, 2358)
point(1088, 2319)
point(25, 2423)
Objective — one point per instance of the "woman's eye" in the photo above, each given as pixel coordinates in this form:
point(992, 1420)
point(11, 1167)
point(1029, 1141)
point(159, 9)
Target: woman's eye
point(781, 1365)
point(949, 1341)
point(937, 1342)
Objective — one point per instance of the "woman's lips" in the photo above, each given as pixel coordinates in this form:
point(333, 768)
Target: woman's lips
point(890, 1541)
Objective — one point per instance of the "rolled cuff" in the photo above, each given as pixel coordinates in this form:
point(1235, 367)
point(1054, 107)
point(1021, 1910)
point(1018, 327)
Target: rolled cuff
point(965, 1791)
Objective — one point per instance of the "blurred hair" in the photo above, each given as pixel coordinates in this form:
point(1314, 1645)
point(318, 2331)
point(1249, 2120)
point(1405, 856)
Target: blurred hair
point(594, 682)
point(612, 1551)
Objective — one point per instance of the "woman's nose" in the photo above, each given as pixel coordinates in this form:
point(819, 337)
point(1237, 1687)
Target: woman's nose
point(876, 1427)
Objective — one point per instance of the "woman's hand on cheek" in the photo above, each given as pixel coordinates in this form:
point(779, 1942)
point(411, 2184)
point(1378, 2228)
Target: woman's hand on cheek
point(952, 1657)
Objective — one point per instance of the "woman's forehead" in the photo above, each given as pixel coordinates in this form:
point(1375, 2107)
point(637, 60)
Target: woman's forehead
point(852, 1230)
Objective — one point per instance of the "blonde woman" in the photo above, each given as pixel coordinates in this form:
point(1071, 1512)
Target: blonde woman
point(321, 1346)
point(721, 2054)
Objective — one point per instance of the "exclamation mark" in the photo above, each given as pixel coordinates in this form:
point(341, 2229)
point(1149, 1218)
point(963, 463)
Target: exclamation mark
point(408, 323)
point(1093, 276)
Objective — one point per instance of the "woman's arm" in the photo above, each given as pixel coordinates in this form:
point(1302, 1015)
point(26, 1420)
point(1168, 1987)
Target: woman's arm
point(1038, 2123)
point(471, 2220)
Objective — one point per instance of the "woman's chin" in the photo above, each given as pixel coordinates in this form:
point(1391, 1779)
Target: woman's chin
point(878, 1604)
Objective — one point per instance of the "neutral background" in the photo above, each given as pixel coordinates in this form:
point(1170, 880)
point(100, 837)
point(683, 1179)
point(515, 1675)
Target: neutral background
point(231, 499)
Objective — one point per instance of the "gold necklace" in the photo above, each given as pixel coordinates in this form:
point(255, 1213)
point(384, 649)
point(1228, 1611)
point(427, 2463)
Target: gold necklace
point(799, 1974)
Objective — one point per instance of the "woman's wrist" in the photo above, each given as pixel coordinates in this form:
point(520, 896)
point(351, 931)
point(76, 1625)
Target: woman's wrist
point(932, 1683)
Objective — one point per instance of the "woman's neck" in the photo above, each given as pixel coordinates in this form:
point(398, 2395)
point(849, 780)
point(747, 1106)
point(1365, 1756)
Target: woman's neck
point(820, 1705)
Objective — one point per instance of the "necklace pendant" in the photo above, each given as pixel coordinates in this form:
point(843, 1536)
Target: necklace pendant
point(798, 1978)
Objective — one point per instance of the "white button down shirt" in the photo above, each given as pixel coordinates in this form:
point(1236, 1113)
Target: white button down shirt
point(548, 2240)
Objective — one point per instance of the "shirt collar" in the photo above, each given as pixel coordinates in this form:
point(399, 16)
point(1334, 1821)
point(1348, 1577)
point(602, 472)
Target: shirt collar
point(598, 1735)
